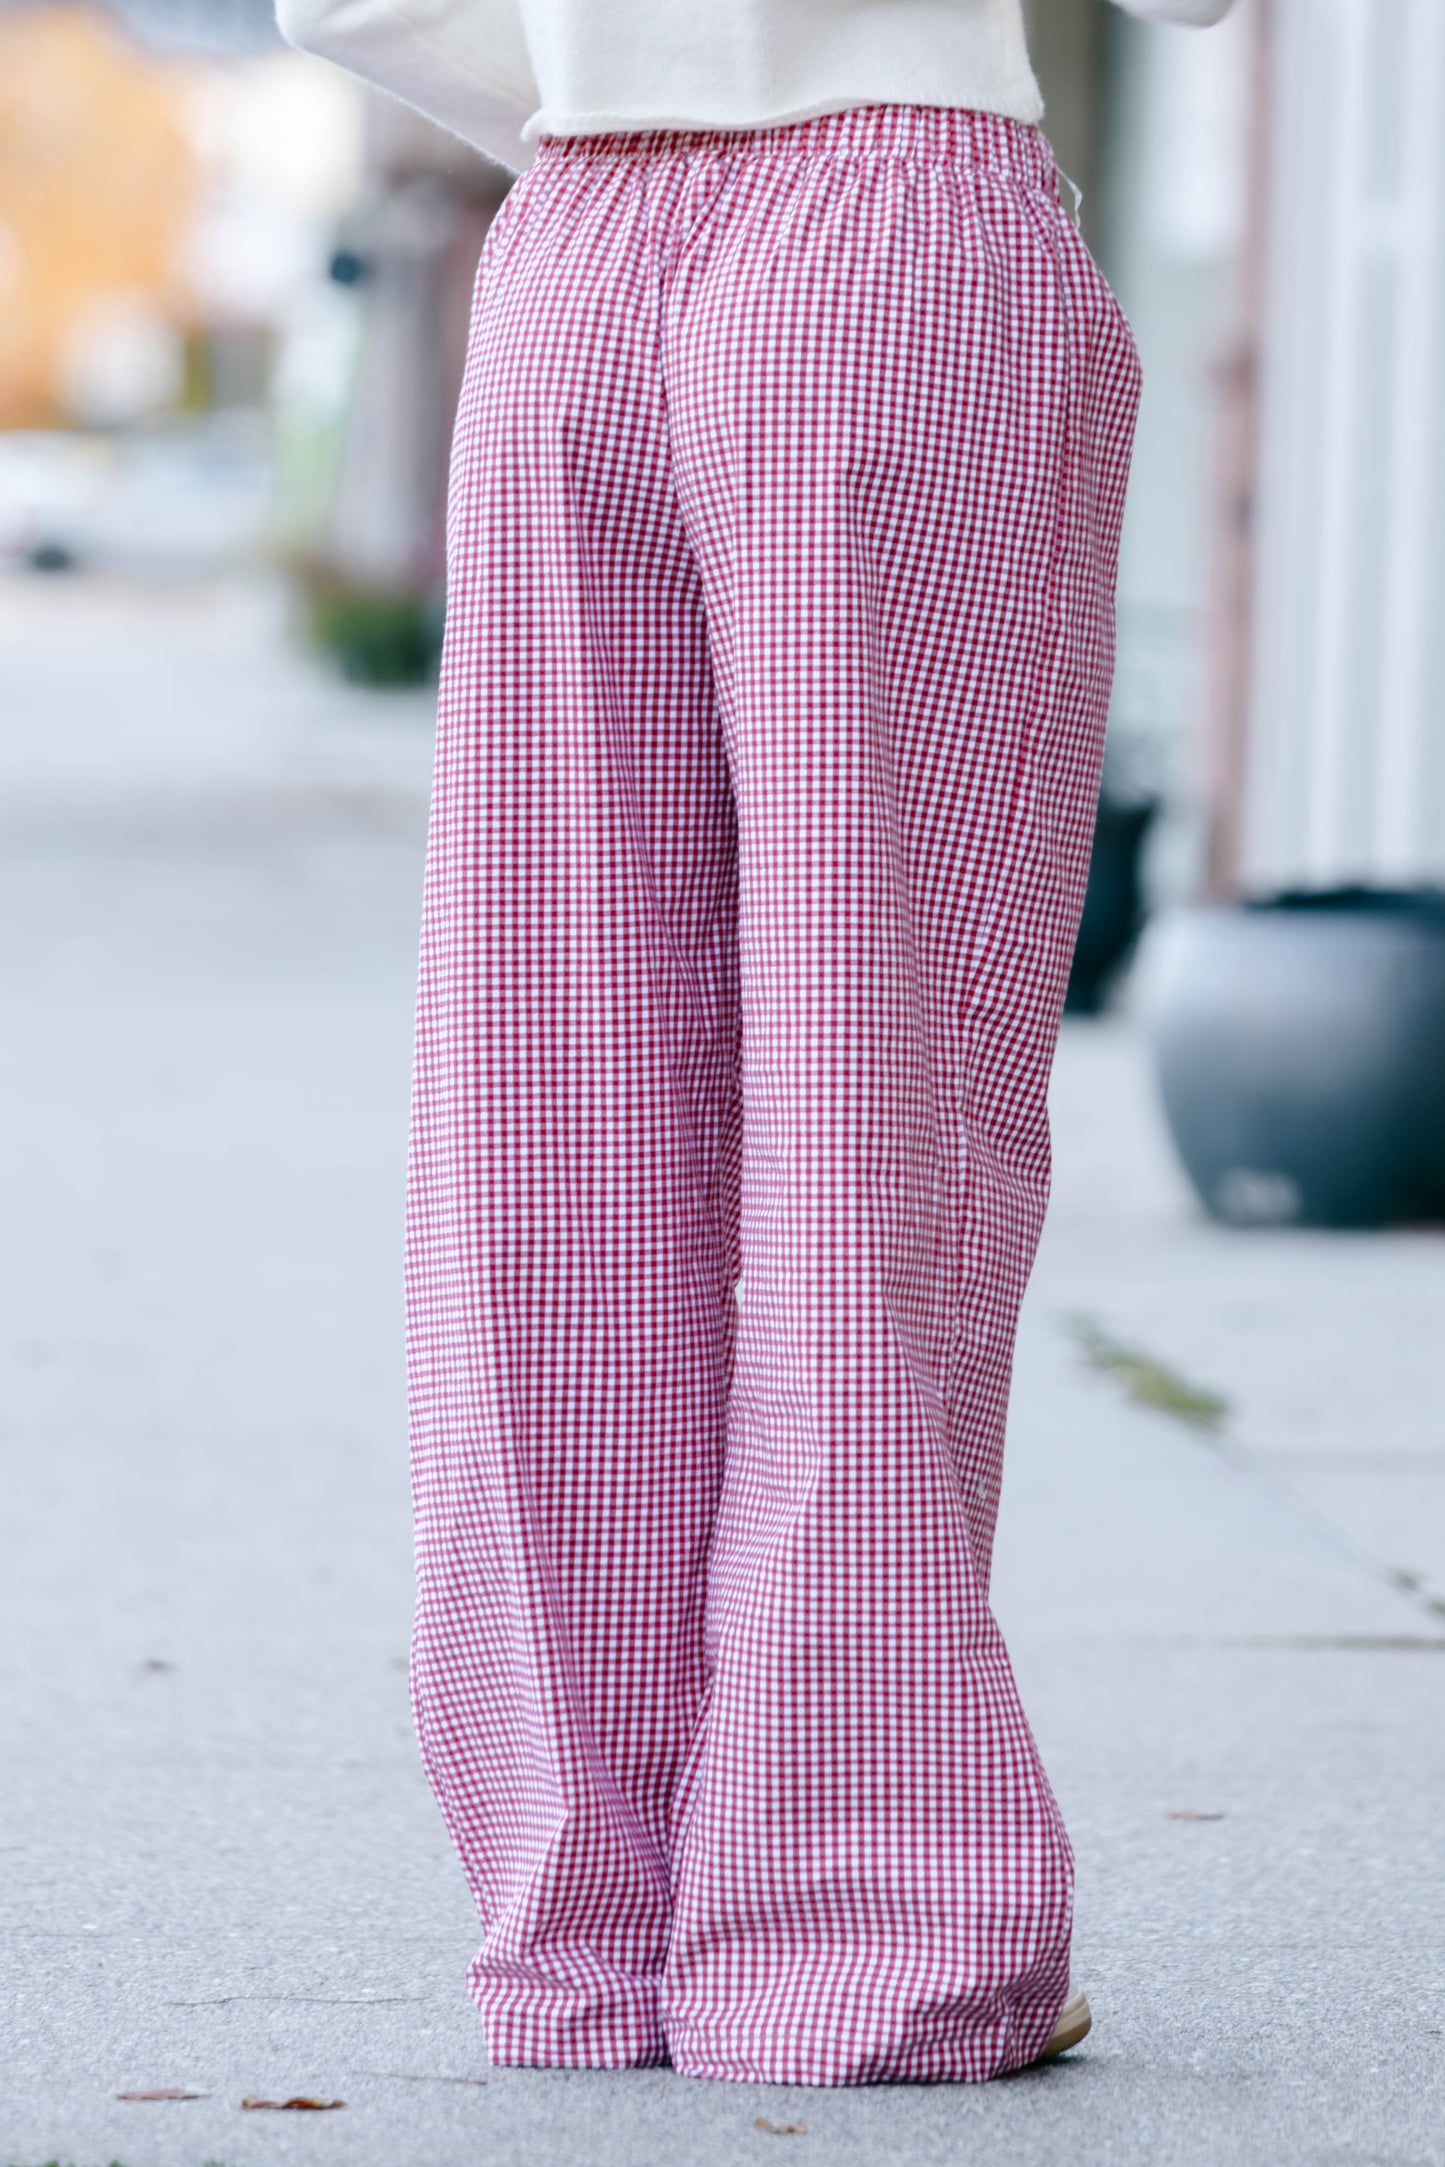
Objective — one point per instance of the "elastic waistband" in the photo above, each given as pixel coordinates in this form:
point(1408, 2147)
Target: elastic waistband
point(928, 133)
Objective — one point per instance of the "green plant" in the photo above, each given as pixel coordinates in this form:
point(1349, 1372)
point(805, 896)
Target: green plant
point(376, 638)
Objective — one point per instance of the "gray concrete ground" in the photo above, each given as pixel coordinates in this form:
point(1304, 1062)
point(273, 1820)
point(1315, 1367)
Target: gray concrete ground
point(221, 1869)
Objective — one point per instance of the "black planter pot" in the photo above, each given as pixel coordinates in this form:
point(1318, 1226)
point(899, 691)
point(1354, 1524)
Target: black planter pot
point(1113, 902)
point(1300, 1044)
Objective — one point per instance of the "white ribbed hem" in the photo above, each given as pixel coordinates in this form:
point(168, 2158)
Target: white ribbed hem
point(1021, 104)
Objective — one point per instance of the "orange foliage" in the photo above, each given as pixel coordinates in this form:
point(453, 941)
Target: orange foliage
point(98, 182)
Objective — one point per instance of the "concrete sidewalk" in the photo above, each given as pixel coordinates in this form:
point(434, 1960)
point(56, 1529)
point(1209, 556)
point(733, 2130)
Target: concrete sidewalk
point(223, 1871)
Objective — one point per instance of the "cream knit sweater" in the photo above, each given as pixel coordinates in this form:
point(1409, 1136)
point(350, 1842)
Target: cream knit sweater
point(501, 73)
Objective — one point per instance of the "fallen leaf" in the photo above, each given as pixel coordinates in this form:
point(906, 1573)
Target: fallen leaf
point(787, 2129)
point(318, 2105)
point(169, 2093)
point(1187, 1813)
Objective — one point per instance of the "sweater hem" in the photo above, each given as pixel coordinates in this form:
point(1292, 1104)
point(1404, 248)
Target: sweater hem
point(1027, 110)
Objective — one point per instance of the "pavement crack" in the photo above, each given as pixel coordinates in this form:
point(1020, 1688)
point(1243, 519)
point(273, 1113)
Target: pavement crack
point(1148, 1381)
point(1152, 1384)
point(319, 2001)
point(409, 2076)
point(1363, 1643)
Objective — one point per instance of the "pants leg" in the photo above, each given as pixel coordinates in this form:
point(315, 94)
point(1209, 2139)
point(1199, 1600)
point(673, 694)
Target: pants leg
point(901, 401)
point(785, 508)
point(572, 1240)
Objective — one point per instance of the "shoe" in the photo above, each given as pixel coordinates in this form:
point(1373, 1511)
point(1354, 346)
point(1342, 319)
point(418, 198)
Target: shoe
point(1075, 2023)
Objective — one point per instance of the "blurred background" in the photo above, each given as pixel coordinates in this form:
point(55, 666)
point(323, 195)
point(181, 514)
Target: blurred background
point(234, 288)
point(228, 271)
point(225, 269)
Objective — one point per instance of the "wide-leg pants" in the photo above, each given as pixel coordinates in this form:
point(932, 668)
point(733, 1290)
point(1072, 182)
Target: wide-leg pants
point(782, 536)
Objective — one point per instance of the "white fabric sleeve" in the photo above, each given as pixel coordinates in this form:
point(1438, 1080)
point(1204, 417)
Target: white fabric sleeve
point(463, 63)
point(1198, 12)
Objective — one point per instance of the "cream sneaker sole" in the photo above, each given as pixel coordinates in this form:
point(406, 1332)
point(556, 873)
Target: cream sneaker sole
point(1075, 2022)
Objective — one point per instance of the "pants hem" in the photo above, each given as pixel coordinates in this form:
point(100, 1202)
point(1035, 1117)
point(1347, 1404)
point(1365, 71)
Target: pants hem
point(625, 2036)
point(823, 2059)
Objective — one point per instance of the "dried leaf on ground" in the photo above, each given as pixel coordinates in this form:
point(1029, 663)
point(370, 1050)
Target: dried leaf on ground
point(166, 2092)
point(785, 2129)
point(319, 2106)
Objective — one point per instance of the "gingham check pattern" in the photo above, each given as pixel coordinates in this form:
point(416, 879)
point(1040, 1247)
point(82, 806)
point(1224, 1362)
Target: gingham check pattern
point(784, 515)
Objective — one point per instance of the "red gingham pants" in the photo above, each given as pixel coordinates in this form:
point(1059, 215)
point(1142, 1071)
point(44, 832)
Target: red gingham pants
point(784, 514)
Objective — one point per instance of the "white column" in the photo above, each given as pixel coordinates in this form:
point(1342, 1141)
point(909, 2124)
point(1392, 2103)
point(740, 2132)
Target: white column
point(1345, 776)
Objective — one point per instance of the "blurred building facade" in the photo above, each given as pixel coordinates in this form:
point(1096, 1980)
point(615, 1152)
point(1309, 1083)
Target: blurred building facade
point(1342, 775)
point(1265, 196)
point(1152, 124)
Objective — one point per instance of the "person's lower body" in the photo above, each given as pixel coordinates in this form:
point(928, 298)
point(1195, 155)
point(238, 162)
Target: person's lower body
point(784, 516)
